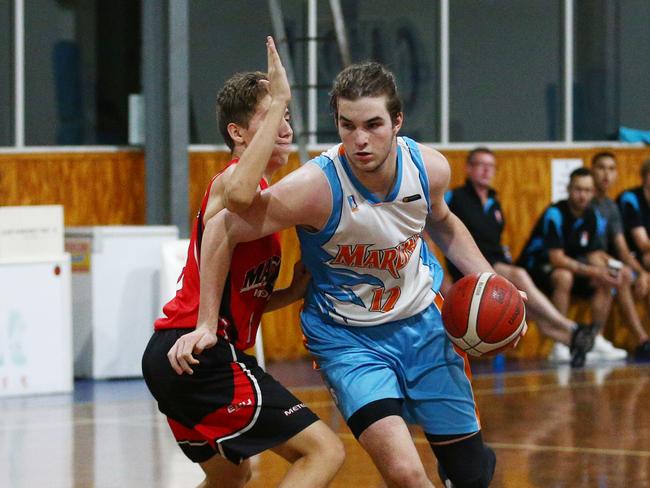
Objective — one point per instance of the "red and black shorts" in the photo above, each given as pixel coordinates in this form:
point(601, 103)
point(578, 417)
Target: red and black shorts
point(229, 406)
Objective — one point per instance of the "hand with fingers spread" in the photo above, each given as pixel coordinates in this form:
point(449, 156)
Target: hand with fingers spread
point(181, 355)
point(278, 83)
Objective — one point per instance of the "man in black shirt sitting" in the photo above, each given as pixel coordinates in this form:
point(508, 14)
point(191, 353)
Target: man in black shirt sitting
point(564, 255)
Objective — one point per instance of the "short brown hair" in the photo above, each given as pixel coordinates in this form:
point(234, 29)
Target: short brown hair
point(367, 79)
point(478, 150)
point(237, 101)
point(579, 173)
point(601, 155)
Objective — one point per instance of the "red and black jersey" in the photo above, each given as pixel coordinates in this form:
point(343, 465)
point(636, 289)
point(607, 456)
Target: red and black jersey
point(253, 271)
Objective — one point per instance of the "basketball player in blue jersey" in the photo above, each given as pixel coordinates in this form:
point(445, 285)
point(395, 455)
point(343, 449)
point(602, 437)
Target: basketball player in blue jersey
point(372, 312)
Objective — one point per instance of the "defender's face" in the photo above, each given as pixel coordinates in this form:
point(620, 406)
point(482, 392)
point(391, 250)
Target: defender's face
point(481, 169)
point(604, 173)
point(283, 139)
point(367, 132)
point(581, 192)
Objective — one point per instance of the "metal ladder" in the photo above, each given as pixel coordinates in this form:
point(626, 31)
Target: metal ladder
point(282, 43)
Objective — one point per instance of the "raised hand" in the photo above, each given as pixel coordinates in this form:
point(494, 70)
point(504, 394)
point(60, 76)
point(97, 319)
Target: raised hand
point(279, 88)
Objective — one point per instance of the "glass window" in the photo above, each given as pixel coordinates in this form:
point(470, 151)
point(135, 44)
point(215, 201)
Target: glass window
point(505, 70)
point(82, 60)
point(6, 75)
point(612, 67)
point(406, 41)
point(221, 44)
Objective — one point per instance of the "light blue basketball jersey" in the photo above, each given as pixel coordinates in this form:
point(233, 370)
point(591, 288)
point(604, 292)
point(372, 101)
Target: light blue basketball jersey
point(370, 318)
point(369, 264)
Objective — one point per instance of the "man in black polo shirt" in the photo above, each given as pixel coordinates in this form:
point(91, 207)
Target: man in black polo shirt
point(564, 253)
point(635, 209)
point(476, 205)
point(604, 171)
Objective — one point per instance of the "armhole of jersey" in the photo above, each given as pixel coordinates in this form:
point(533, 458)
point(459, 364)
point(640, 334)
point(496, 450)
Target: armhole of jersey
point(199, 217)
point(630, 198)
point(416, 156)
point(553, 214)
point(325, 234)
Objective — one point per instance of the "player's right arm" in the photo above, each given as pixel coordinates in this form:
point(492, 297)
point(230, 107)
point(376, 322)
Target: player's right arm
point(236, 187)
point(301, 198)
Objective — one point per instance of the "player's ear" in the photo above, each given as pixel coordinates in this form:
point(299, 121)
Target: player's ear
point(397, 122)
point(236, 133)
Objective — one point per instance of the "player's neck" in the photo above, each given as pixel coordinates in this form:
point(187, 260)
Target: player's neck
point(601, 194)
point(482, 191)
point(575, 210)
point(380, 181)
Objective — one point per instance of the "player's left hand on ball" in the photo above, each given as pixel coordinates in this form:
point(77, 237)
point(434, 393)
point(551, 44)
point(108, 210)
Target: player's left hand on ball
point(180, 355)
point(523, 332)
point(524, 297)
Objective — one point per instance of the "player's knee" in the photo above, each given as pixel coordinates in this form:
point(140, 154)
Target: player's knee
point(233, 478)
point(322, 446)
point(405, 474)
point(331, 451)
point(562, 279)
point(626, 276)
point(468, 463)
point(521, 277)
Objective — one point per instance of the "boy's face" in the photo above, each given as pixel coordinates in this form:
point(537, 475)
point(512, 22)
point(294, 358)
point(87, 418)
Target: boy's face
point(366, 131)
point(604, 173)
point(283, 139)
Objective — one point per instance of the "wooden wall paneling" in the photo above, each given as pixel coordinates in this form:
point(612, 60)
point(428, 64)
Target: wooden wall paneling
point(109, 188)
point(94, 188)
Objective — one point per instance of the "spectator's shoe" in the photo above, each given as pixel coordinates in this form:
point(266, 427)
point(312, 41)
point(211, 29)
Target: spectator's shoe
point(582, 341)
point(642, 352)
point(605, 351)
point(446, 482)
point(560, 353)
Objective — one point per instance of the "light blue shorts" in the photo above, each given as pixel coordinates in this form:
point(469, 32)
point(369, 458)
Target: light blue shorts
point(410, 359)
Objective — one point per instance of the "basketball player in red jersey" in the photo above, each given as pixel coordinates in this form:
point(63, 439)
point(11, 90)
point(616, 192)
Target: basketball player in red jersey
point(229, 409)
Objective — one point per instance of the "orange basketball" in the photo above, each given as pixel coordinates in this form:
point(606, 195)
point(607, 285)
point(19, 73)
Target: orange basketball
point(483, 313)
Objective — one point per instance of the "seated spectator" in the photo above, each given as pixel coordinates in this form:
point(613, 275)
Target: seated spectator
point(603, 168)
point(634, 205)
point(477, 206)
point(564, 257)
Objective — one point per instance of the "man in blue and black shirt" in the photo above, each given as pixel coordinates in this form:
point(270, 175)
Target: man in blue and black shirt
point(476, 204)
point(635, 209)
point(623, 233)
point(564, 254)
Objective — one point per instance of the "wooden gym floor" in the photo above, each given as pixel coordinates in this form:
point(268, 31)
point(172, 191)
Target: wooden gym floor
point(550, 428)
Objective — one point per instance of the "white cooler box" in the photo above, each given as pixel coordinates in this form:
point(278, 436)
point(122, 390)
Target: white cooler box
point(115, 295)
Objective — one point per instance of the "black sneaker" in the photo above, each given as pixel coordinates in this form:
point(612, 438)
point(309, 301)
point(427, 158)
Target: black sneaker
point(642, 352)
point(582, 340)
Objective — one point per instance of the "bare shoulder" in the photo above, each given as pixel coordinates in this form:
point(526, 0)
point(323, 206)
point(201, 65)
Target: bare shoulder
point(436, 165)
point(216, 198)
point(306, 194)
